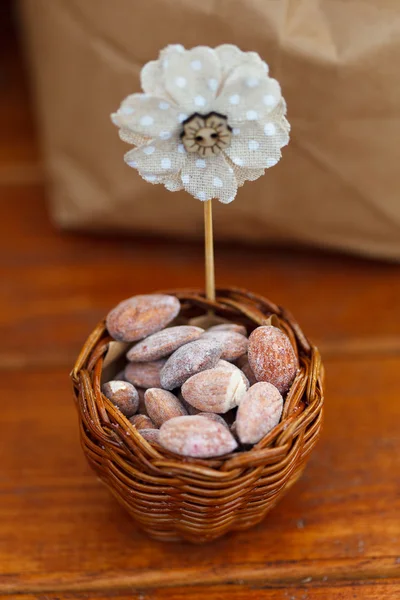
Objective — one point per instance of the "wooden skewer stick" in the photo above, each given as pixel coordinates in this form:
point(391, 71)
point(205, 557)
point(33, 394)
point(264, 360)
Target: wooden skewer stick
point(209, 251)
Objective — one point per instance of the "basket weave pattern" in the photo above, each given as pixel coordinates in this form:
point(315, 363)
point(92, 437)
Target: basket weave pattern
point(176, 498)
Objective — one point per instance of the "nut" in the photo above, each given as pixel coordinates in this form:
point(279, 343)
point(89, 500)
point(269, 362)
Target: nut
point(196, 437)
point(140, 316)
point(189, 359)
point(163, 343)
point(162, 406)
point(146, 374)
point(191, 410)
point(260, 411)
point(151, 435)
point(123, 395)
point(142, 422)
point(234, 344)
point(229, 327)
point(215, 390)
point(227, 365)
point(272, 358)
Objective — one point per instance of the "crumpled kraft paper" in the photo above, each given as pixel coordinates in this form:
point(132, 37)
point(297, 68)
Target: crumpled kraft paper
point(337, 61)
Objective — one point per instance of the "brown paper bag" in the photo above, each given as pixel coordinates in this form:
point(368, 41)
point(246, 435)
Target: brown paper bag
point(338, 182)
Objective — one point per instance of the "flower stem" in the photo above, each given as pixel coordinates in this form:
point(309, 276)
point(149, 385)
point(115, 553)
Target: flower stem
point(209, 251)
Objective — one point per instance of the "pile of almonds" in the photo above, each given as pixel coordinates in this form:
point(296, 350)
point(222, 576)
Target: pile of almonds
point(198, 393)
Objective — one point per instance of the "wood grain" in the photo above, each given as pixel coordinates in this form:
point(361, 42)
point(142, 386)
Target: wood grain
point(369, 591)
point(65, 532)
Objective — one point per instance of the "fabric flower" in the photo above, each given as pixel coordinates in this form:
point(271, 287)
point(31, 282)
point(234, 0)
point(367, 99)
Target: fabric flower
point(208, 120)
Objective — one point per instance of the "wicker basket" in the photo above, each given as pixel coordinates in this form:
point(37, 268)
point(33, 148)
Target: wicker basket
point(199, 500)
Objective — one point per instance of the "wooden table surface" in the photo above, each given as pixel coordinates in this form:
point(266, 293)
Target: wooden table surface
point(336, 535)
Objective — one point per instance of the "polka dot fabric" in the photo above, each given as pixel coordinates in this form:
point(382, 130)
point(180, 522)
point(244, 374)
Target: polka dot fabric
point(207, 178)
point(203, 80)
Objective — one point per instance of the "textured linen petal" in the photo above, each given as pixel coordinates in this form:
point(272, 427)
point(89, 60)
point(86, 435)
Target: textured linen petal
point(277, 132)
point(157, 157)
point(147, 115)
point(253, 146)
point(278, 111)
point(173, 182)
point(207, 178)
point(243, 174)
point(132, 138)
point(151, 79)
point(248, 94)
point(192, 77)
point(231, 56)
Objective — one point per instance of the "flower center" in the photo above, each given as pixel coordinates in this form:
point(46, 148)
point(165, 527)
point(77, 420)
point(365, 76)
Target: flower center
point(208, 135)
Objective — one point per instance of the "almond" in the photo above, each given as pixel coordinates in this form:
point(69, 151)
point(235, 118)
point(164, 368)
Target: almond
point(272, 358)
point(151, 435)
point(191, 410)
point(163, 343)
point(162, 406)
point(227, 365)
point(140, 316)
point(196, 437)
point(146, 374)
point(123, 395)
point(142, 422)
point(229, 327)
point(233, 344)
point(189, 359)
point(260, 411)
point(215, 390)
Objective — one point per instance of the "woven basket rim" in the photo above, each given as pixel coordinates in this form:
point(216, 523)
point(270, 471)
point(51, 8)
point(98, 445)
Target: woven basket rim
point(230, 302)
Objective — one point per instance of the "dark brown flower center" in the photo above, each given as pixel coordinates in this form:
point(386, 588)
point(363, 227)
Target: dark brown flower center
point(208, 135)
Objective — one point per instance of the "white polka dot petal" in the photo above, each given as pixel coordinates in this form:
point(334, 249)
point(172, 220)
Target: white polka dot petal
point(146, 120)
point(269, 129)
point(184, 85)
point(252, 115)
point(271, 162)
point(180, 82)
point(217, 182)
point(127, 110)
point(165, 135)
point(200, 101)
point(196, 65)
point(253, 145)
point(269, 100)
point(166, 163)
point(234, 99)
point(149, 149)
point(252, 82)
